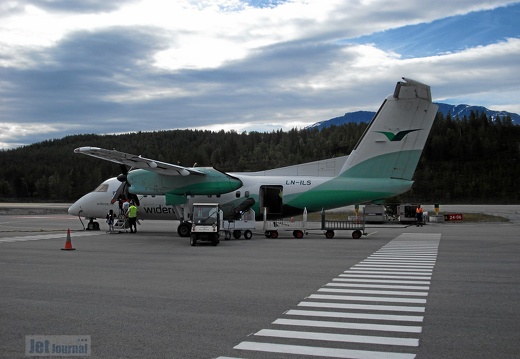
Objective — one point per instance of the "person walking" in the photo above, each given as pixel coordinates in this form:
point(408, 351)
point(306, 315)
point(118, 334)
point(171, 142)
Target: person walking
point(110, 220)
point(419, 215)
point(132, 217)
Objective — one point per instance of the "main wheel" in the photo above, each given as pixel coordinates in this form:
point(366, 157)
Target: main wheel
point(184, 229)
point(329, 234)
point(248, 234)
point(274, 234)
point(237, 234)
point(297, 234)
point(356, 234)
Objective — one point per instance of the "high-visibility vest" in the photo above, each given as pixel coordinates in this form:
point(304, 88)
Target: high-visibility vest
point(132, 211)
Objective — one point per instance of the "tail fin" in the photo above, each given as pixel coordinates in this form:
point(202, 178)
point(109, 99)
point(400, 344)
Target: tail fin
point(393, 141)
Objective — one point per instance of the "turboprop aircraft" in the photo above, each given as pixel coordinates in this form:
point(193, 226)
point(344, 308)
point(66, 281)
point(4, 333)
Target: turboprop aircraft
point(381, 165)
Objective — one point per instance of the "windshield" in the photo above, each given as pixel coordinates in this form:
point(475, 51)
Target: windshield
point(103, 187)
point(205, 215)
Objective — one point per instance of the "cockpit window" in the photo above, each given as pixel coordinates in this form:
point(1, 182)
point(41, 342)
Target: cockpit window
point(103, 187)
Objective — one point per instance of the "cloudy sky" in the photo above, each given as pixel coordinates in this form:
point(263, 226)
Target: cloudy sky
point(98, 66)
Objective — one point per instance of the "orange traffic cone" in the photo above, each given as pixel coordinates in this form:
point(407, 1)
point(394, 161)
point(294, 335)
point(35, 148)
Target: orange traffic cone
point(68, 243)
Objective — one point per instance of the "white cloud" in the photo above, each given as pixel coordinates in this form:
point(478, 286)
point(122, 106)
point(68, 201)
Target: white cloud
point(224, 64)
point(205, 34)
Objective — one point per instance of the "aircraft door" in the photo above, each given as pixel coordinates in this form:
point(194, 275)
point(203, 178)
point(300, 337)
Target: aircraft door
point(271, 197)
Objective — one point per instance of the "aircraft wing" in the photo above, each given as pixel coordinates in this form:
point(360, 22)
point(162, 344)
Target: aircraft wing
point(135, 161)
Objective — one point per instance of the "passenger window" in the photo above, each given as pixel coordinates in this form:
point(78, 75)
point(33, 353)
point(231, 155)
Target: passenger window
point(246, 194)
point(237, 194)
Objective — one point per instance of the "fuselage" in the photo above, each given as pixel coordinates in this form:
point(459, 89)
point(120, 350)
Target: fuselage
point(276, 195)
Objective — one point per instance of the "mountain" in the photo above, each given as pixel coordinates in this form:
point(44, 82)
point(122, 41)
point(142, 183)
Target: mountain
point(454, 111)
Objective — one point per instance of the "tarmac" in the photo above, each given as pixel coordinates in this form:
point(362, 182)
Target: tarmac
point(510, 211)
point(445, 290)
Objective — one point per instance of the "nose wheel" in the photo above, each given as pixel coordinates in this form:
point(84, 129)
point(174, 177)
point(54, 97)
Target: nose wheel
point(92, 225)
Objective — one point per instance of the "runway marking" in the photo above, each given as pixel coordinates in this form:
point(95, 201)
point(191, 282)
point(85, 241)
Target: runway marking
point(321, 313)
point(389, 269)
point(367, 299)
point(382, 276)
point(389, 308)
point(394, 265)
point(49, 236)
point(347, 325)
point(366, 339)
point(381, 286)
point(319, 351)
point(366, 291)
point(399, 273)
point(381, 281)
point(383, 272)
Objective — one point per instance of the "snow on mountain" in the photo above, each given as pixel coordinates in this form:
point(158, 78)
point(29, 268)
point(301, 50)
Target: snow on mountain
point(454, 110)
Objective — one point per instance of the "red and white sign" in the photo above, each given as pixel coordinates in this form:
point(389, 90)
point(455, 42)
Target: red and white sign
point(453, 217)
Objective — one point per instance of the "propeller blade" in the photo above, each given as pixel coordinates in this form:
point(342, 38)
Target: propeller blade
point(124, 170)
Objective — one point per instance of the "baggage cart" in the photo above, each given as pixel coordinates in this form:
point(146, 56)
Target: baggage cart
point(354, 223)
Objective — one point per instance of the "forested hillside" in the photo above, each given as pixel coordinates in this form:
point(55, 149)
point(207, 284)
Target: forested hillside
point(468, 160)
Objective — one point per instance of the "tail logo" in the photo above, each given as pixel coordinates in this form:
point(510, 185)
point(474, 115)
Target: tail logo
point(396, 137)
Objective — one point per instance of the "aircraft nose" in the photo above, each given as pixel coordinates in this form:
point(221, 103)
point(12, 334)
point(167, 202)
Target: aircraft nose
point(74, 209)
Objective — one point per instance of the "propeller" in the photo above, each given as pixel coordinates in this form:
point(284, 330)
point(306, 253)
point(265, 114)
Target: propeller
point(123, 188)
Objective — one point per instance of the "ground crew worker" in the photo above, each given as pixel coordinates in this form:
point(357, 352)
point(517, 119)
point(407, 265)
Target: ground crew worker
point(419, 215)
point(132, 217)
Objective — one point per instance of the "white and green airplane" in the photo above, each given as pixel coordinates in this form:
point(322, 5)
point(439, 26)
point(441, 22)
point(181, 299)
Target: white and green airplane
point(381, 165)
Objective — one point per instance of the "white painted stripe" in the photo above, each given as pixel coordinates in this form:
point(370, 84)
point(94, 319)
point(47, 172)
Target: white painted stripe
point(384, 276)
point(429, 256)
point(390, 308)
point(381, 286)
point(418, 258)
point(362, 271)
point(410, 243)
point(381, 281)
point(349, 325)
point(405, 253)
point(408, 248)
point(367, 299)
point(228, 358)
point(397, 266)
point(432, 248)
point(399, 263)
point(346, 338)
point(392, 317)
point(320, 351)
point(390, 269)
point(379, 292)
point(33, 238)
point(47, 236)
point(407, 259)
point(420, 235)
